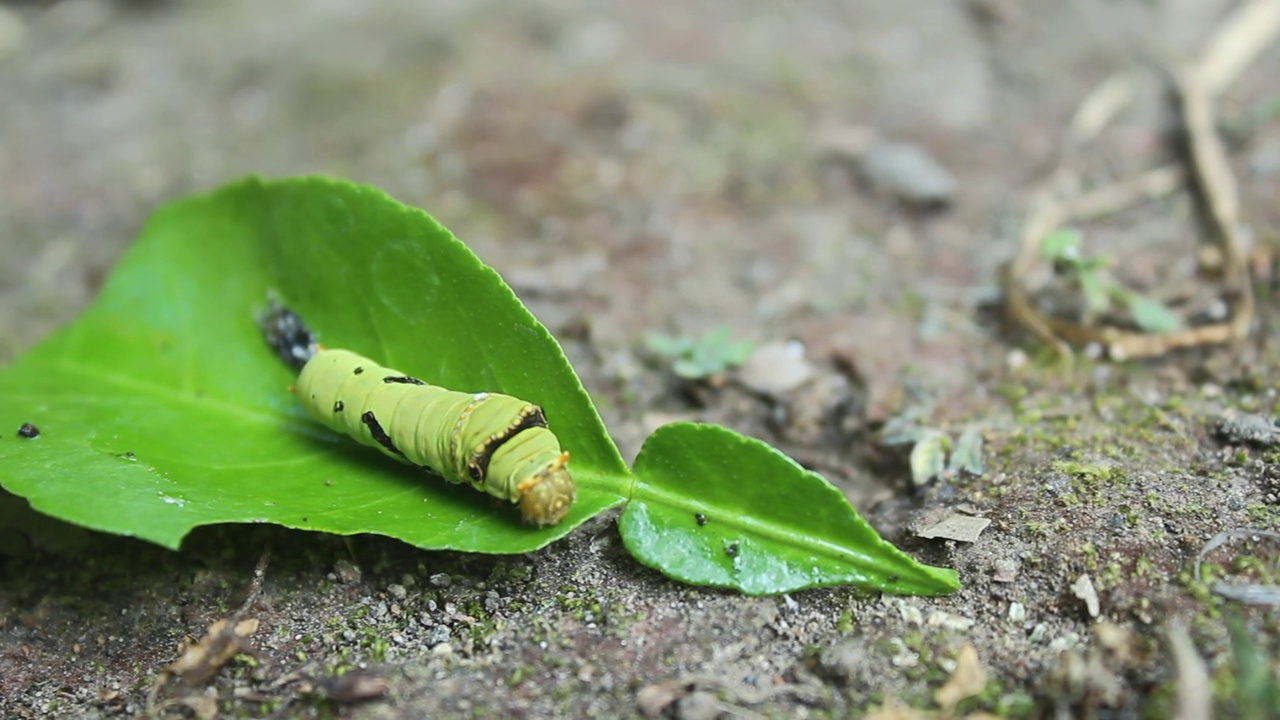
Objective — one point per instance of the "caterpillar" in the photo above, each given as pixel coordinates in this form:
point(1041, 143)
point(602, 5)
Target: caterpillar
point(496, 443)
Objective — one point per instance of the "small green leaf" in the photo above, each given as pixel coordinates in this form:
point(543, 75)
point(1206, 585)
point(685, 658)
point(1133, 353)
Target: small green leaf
point(1257, 692)
point(1061, 246)
point(713, 355)
point(690, 369)
point(1097, 295)
point(929, 456)
point(738, 353)
point(162, 409)
point(1151, 315)
point(712, 507)
point(967, 456)
point(668, 346)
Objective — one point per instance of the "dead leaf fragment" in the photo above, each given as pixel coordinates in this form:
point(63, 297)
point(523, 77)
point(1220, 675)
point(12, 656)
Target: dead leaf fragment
point(221, 642)
point(968, 680)
point(962, 528)
point(357, 686)
point(653, 699)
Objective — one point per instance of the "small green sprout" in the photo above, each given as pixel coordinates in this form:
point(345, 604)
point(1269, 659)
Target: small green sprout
point(1257, 689)
point(712, 356)
point(1100, 289)
point(930, 449)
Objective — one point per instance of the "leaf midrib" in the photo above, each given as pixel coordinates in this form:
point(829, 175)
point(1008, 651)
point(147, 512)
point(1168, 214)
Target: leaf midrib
point(80, 371)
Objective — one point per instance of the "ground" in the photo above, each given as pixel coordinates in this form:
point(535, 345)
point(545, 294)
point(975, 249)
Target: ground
point(673, 167)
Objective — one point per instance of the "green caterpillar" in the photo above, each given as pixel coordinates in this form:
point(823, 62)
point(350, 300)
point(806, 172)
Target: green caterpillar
point(497, 443)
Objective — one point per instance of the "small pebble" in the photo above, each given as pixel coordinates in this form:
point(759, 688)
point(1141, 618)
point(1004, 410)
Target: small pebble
point(908, 173)
point(910, 614)
point(776, 368)
point(439, 634)
point(397, 591)
point(1234, 426)
point(346, 571)
point(844, 662)
point(1017, 612)
point(440, 580)
point(1083, 588)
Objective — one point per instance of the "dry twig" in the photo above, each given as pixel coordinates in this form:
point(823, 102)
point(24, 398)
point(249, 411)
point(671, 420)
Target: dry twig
point(222, 641)
point(1233, 46)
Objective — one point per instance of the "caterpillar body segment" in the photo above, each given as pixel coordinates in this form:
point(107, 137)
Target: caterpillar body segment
point(496, 443)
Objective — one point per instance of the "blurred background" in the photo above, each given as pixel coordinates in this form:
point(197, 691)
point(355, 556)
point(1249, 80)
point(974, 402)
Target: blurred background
point(665, 164)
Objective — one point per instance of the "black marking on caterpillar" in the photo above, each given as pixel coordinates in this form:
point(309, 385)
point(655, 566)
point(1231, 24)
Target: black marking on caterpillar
point(379, 435)
point(478, 467)
point(338, 406)
point(403, 379)
point(28, 431)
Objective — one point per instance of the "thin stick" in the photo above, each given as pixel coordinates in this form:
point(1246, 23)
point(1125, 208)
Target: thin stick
point(1233, 46)
point(1238, 41)
point(1118, 196)
point(1218, 185)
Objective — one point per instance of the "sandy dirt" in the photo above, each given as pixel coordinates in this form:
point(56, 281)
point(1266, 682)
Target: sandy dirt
point(675, 167)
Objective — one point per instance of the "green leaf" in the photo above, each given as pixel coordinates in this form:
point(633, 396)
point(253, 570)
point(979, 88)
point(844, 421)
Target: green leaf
point(690, 369)
point(712, 507)
point(668, 346)
point(1061, 246)
point(967, 456)
point(162, 409)
point(1257, 691)
point(1151, 315)
point(714, 354)
point(929, 456)
point(1097, 295)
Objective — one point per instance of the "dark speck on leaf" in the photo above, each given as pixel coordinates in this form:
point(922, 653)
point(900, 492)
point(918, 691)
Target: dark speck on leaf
point(731, 549)
point(702, 519)
point(28, 431)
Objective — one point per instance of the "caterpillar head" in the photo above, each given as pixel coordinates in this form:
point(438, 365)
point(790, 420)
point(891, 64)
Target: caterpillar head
point(545, 497)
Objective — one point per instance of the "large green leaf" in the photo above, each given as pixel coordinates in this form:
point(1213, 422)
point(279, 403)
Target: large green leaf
point(162, 409)
point(712, 507)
